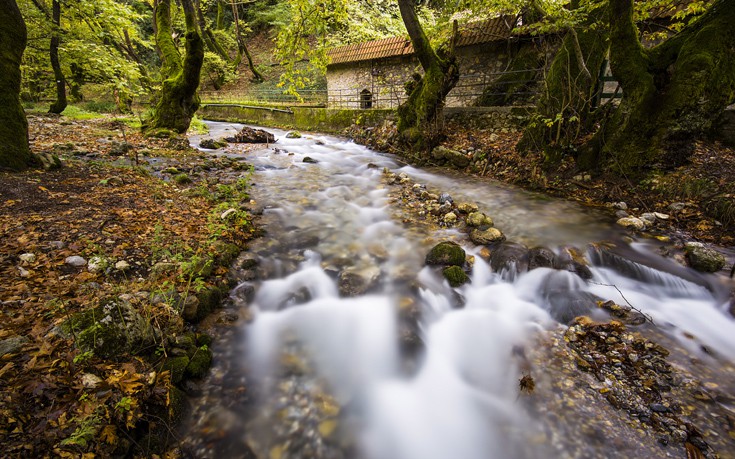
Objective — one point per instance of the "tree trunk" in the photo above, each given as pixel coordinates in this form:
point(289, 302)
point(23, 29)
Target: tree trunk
point(242, 48)
point(60, 103)
point(418, 114)
point(673, 93)
point(178, 99)
point(14, 151)
point(565, 111)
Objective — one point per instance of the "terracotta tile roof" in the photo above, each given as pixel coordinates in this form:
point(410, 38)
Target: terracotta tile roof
point(377, 49)
point(470, 34)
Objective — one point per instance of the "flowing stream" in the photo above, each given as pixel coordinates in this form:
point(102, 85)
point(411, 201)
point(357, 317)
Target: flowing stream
point(410, 368)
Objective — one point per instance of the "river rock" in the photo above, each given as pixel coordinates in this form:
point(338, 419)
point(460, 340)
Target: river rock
point(509, 254)
point(293, 135)
point(351, 283)
point(453, 157)
point(705, 259)
point(632, 223)
point(620, 205)
point(310, 160)
point(212, 144)
point(446, 253)
point(487, 236)
point(467, 208)
point(540, 257)
point(190, 308)
point(250, 135)
point(649, 218)
point(450, 218)
point(455, 276)
point(445, 198)
point(479, 220)
point(76, 261)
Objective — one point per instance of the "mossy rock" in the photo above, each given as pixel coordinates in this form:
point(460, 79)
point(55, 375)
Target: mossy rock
point(182, 179)
point(160, 133)
point(293, 135)
point(446, 253)
point(456, 276)
point(704, 259)
point(225, 253)
point(199, 363)
point(209, 300)
point(203, 339)
point(112, 330)
point(161, 436)
point(177, 366)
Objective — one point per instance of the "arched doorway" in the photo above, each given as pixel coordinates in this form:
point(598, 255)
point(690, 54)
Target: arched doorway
point(366, 99)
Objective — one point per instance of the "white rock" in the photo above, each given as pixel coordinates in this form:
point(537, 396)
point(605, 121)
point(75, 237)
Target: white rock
point(227, 213)
point(90, 381)
point(649, 218)
point(27, 257)
point(23, 272)
point(122, 265)
point(75, 260)
point(632, 223)
point(96, 264)
point(693, 245)
point(661, 216)
point(620, 205)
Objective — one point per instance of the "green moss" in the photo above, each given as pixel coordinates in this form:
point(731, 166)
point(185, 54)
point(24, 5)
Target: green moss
point(455, 275)
point(182, 179)
point(225, 253)
point(177, 367)
point(446, 253)
point(209, 300)
point(203, 339)
point(14, 150)
point(199, 363)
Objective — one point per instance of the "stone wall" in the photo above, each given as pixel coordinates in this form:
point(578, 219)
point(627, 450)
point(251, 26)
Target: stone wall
point(480, 65)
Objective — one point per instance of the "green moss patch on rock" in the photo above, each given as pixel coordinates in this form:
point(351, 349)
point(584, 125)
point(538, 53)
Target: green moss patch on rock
point(446, 253)
point(199, 363)
point(456, 276)
point(111, 330)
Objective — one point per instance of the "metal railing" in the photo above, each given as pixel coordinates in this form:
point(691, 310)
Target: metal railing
point(387, 95)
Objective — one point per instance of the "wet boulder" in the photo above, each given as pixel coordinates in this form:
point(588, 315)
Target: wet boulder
point(250, 135)
point(455, 276)
point(540, 257)
point(212, 144)
point(570, 259)
point(446, 253)
point(565, 306)
point(633, 223)
point(479, 220)
point(486, 237)
point(704, 259)
point(510, 255)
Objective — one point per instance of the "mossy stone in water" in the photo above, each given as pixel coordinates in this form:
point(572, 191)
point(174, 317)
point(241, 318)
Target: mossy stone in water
point(704, 259)
point(199, 363)
point(177, 366)
point(446, 253)
point(456, 276)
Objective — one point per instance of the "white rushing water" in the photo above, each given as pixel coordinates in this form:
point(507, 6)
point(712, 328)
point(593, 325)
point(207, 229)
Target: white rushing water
point(461, 399)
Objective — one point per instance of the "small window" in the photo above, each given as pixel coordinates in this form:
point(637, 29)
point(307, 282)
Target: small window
point(366, 99)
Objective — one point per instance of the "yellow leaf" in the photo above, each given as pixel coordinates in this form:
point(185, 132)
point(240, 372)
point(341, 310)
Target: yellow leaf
point(43, 189)
point(108, 435)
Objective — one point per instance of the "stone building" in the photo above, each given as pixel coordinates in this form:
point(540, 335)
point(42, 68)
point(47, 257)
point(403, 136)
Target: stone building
point(373, 74)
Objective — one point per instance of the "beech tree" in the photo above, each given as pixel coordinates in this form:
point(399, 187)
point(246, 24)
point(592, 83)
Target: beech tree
point(14, 151)
point(673, 93)
point(178, 99)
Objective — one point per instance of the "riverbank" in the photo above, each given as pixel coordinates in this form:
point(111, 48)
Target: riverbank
point(107, 265)
point(698, 197)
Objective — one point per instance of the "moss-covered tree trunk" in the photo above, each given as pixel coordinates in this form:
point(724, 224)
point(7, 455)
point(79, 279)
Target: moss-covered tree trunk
point(14, 151)
point(418, 114)
point(178, 100)
point(673, 93)
point(60, 103)
point(565, 110)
